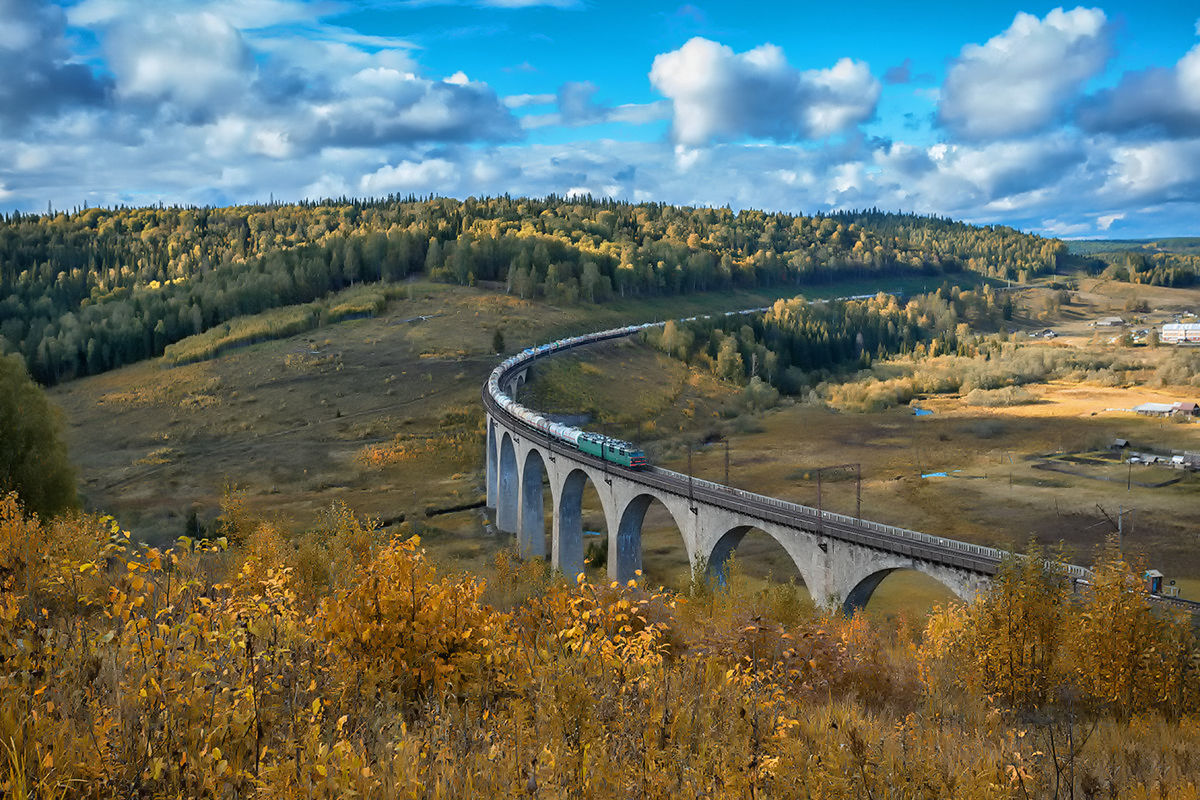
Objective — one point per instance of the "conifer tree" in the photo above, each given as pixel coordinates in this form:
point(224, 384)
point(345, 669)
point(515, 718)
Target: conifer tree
point(33, 458)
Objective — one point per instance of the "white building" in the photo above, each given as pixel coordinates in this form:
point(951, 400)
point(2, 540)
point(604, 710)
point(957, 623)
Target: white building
point(1180, 333)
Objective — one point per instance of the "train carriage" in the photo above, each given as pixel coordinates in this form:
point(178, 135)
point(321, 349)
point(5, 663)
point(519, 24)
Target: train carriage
point(610, 449)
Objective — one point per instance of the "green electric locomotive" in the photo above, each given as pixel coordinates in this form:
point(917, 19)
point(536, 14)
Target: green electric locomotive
point(614, 450)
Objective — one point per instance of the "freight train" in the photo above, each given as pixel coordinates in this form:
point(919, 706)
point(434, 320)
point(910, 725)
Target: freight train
point(606, 447)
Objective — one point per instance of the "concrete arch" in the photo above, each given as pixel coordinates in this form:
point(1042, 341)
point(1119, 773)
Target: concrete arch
point(515, 384)
point(567, 544)
point(507, 485)
point(860, 590)
point(840, 571)
point(625, 541)
point(531, 539)
point(718, 556)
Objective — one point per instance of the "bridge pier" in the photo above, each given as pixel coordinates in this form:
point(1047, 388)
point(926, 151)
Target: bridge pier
point(490, 465)
point(515, 383)
point(566, 542)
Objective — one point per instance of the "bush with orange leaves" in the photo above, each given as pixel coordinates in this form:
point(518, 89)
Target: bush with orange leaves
point(1031, 643)
point(209, 672)
point(402, 631)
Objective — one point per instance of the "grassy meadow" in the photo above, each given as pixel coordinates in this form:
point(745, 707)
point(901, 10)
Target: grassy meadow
point(382, 413)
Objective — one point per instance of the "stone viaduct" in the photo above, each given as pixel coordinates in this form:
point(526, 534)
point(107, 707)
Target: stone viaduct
point(841, 559)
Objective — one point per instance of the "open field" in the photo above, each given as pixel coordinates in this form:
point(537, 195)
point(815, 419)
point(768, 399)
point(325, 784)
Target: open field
point(290, 423)
point(287, 421)
point(1093, 298)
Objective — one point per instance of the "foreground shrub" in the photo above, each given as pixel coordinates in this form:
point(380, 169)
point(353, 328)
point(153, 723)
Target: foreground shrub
point(204, 672)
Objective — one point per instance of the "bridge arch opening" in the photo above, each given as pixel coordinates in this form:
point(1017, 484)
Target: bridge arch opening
point(507, 485)
point(888, 594)
point(582, 527)
point(532, 538)
point(649, 537)
point(761, 561)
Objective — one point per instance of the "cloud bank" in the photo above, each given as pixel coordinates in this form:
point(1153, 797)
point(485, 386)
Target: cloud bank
point(114, 101)
point(718, 95)
point(1024, 80)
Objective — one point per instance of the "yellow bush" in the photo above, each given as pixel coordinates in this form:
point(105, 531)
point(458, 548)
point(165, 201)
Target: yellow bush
point(202, 671)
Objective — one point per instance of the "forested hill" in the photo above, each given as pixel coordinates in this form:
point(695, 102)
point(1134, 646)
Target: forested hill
point(1160, 262)
point(91, 290)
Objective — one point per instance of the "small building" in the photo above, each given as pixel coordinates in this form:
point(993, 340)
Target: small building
point(1180, 333)
point(1109, 322)
point(1154, 581)
point(1120, 444)
point(1154, 409)
point(1187, 408)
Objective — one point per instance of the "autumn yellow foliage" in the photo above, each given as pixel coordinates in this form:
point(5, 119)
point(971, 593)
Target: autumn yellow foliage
point(242, 671)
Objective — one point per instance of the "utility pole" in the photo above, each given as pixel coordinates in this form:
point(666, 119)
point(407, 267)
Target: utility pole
point(857, 485)
point(726, 460)
point(691, 490)
point(820, 512)
point(1119, 524)
point(603, 445)
point(858, 491)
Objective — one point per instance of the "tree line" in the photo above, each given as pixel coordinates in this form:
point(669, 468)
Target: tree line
point(795, 338)
point(1154, 269)
point(91, 290)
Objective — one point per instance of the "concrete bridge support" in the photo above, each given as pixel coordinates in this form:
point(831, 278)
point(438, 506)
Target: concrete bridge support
point(531, 541)
point(490, 467)
point(507, 481)
point(515, 383)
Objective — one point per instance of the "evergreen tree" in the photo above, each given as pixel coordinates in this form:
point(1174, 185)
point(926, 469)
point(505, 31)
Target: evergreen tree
point(33, 457)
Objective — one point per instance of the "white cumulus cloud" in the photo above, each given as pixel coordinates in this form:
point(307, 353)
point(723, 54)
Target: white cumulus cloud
point(195, 61)
point(719, 95)
point(430, 175)
point(1157, 171)
point(1026, 78)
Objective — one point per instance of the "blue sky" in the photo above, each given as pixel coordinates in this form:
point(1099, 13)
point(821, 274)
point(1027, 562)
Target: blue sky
point(1070, 121)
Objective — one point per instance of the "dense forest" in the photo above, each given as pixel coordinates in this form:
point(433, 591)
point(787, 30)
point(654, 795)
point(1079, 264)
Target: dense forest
point(1158, 262)
point(33, 457)
point(91, 290)
point(1156, 269)
point(796, 338)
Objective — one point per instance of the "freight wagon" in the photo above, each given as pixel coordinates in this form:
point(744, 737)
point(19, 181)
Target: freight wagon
point(615, 450)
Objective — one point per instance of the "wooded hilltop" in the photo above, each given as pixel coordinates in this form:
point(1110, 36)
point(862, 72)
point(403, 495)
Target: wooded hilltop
point(87, 291)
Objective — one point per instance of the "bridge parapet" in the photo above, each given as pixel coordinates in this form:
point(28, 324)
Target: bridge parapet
point(879, 527)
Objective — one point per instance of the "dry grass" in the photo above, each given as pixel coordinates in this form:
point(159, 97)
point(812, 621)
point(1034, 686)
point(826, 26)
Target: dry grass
point(285, 419)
